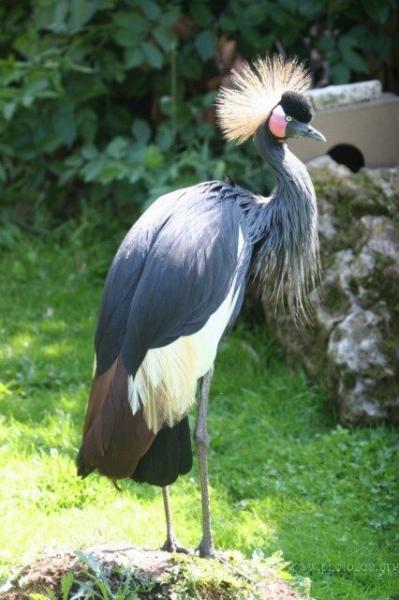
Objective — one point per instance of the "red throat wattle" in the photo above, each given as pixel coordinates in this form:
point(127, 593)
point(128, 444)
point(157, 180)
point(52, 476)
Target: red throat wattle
point(277, 122)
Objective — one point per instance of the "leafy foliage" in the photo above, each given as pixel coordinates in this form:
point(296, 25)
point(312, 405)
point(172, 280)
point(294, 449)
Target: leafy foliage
point(97, 581)
point(111, 100)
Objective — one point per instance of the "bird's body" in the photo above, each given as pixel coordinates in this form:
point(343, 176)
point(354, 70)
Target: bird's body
point(176, 284)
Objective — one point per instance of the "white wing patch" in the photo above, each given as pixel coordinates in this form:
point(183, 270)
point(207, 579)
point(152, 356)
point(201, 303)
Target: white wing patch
point(132, 395)
point(167, 378)
point(94, 367)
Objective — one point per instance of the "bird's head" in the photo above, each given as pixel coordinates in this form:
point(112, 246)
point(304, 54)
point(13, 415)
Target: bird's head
point(267, 96)
point(291, 117)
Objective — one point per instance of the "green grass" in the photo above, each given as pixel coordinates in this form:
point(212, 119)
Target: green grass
point(284, 475)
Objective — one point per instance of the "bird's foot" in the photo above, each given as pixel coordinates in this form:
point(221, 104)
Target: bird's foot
point(206, 549)
point(172, 545)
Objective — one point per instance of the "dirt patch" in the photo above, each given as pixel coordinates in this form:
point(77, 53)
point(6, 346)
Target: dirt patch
point(149, 574)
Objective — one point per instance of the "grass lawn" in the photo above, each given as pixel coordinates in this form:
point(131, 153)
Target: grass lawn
point(284, 475)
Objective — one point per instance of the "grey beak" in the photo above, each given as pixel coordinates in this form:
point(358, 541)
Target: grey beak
point(314, 134)
point(298, 129)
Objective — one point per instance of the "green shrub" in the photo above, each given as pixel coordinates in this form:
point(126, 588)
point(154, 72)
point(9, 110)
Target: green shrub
point(110, 101)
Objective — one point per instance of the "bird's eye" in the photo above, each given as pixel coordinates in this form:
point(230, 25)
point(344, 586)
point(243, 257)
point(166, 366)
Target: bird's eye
point(288, 118)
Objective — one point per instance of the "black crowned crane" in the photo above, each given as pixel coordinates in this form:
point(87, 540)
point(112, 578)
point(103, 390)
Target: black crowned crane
point(177, 283)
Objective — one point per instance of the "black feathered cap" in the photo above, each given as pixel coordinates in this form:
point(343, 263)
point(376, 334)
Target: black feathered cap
point(297, 106)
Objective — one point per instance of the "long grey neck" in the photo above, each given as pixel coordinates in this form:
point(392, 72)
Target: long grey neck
point(288, 257)
point(293, 180)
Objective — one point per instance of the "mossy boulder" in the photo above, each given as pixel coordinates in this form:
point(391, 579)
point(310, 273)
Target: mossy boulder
point(353, 342)
point(125, 572)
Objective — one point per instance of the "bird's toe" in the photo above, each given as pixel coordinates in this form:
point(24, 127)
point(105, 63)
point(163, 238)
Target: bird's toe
point(172, 545)
point(205, 550)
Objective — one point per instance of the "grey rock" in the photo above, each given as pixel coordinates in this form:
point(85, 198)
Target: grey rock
point(353, 345)
point(360, 369)
point(341, 95)
point(326, 162)
point(326, 227)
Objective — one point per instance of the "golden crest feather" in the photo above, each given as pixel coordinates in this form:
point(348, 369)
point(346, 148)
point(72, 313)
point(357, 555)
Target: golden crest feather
point(255, 91)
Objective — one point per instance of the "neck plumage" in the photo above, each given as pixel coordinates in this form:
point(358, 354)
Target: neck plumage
point(288, 255)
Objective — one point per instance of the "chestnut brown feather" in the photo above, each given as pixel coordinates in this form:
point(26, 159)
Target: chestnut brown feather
point(98, 393)
point(114, 439)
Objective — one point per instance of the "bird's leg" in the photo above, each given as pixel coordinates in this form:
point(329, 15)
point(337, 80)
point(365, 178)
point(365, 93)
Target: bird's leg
point(171, 544)
point(205, 548)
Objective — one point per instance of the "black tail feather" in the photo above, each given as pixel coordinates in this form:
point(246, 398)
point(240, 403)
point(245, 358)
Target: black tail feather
point(83, 469)
point(169, 456)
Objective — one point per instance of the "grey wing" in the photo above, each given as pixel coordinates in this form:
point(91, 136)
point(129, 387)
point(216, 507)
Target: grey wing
point(188, 292)
point(173, 270)
point(124, 275)
point(189, 271)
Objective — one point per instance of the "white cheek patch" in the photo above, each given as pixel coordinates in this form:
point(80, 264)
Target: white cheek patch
point(279, 110)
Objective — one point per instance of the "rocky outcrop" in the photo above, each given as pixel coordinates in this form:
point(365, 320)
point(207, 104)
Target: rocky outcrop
point(354, 343)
